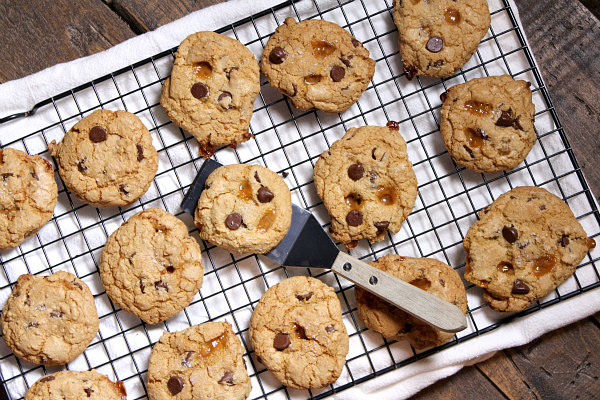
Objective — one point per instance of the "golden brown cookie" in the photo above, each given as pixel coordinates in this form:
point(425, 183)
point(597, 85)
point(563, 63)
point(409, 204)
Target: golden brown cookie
point(487, 123)
point(297, 331)
point(317, 64)
point(76, 385)
point(211, 91)
point(244, 209)
point(427, 274)
point(438, 37)
point(107, 159)
point(525, 244)
point(367, 183)
point(151, 267)
point(49, 320)
point(203, 362)
point(28, 195)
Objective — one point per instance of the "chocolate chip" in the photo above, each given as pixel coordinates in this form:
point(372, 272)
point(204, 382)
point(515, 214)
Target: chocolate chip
point(330, 328)
point(337, 73)
point(161, 285)
point(564, 241)
point(97, 134)
point(381, 225)
point(257, 177)
point(542, 207)
point(281, 341)
point(519, 287)
point(373, 153)
point(88, 391)
point(409, 71)
point(439, 63)
point(35, 176)
point(442, 282)
point(345, 61)
point(295, 87)
point(356, 171)
point(199, 90)
point(170, 269)
point(517, 124)
point(510, 234)
point(278, 55)
point(229, 71)
point(264, 195)
point(304, 297)
point(435, 44)
point(227, 378)
point(48, 378)
point(393, 125)
point(355, 42)
point(225, 100)
point(6, 175)
point(81, 166)
point(505, 119)
point(207, 150)
point(140, 152)
point(56, 314)
point(32, 325)
point(123, 188)
point(285, 174)
point(142, 287)
point(468, 149)
point(354, 218)
point(175, 385)
point(443, 96)
point(187, 362)
point(233, 221)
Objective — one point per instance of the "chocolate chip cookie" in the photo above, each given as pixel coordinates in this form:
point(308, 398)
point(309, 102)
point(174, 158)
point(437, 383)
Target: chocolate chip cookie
point(317, 64)
point(203, 362)
point(297, 331)
point(28, 195)
point(487, 123)
point(367, 183)
point(107, 159)
point(525, 244)
point(49, 320)
point(211, 91)
point(151, 267)
point(427, 274)
point(438, 37)
point(244, 209)
point(75, 385)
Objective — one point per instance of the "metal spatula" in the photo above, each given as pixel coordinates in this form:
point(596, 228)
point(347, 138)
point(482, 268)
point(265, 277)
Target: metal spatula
point(307, 245)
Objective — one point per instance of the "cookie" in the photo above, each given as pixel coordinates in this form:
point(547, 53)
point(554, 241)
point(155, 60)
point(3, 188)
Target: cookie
point(151, 267)
point(107, 159)
point(367, 184)
point(438, 37)
point(427, 274)
point(244, 209)
point(49, 320)
point(297, 332)
point(487, 123)
point(74, 385)
point(203, 362)
point(525, 244)
point(28, 195)
point(211, 90)
point(317, 64)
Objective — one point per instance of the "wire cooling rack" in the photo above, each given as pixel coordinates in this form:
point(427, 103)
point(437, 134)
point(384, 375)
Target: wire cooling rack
point(289, 141)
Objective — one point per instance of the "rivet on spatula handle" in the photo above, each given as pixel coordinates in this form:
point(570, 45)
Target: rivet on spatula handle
point(419, 303)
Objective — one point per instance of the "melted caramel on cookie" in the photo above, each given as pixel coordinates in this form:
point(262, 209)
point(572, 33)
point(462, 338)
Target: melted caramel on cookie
point(543, 265)
point(322, 48)
point(354, 201)
point(478, 108)
point(245, 192)
point(386, 195)
point(266, 221)
point(505, 267)
point(475, 141)
point(452, 16)
point(312, 79)
point(591, 243)
point(202, 70)
point(218, 344)
point(421, 283)
point(299, 332)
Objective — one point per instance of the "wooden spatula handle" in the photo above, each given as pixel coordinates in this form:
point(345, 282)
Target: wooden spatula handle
point(424, 306)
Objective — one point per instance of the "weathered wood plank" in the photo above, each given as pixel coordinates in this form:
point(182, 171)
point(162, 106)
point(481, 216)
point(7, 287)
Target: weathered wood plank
point(37, 33)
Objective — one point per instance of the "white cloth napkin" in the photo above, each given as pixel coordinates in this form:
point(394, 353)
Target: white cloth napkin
point(22, 94)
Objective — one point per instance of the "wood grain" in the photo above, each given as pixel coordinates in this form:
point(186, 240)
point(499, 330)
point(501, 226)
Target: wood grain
point(37, 33)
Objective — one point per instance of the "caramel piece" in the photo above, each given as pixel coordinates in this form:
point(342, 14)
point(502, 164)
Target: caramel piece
point(266, 221)
point(202, 70)
point(543, 265)
point(322, 48)
point(478, 108)
point(215, 345)
point(452, 16)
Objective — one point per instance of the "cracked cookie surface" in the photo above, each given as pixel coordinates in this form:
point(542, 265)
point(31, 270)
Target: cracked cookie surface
point(525, 244)
point(367, 183)
point(202, 362)
point(427, 274)
point(211, 90)
point(297, 331)
point(74, 385)
point(28, 194)
point(151, 267)
point(244, 209)
point(49, 320)
point(438, 37)
point(317, 64)
point(107, 159)
point(487, 123)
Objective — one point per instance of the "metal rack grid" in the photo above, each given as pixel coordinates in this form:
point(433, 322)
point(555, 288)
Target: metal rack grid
point(290, 141)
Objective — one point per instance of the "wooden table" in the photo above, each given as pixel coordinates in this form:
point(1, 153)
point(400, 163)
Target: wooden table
point(563, 35)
